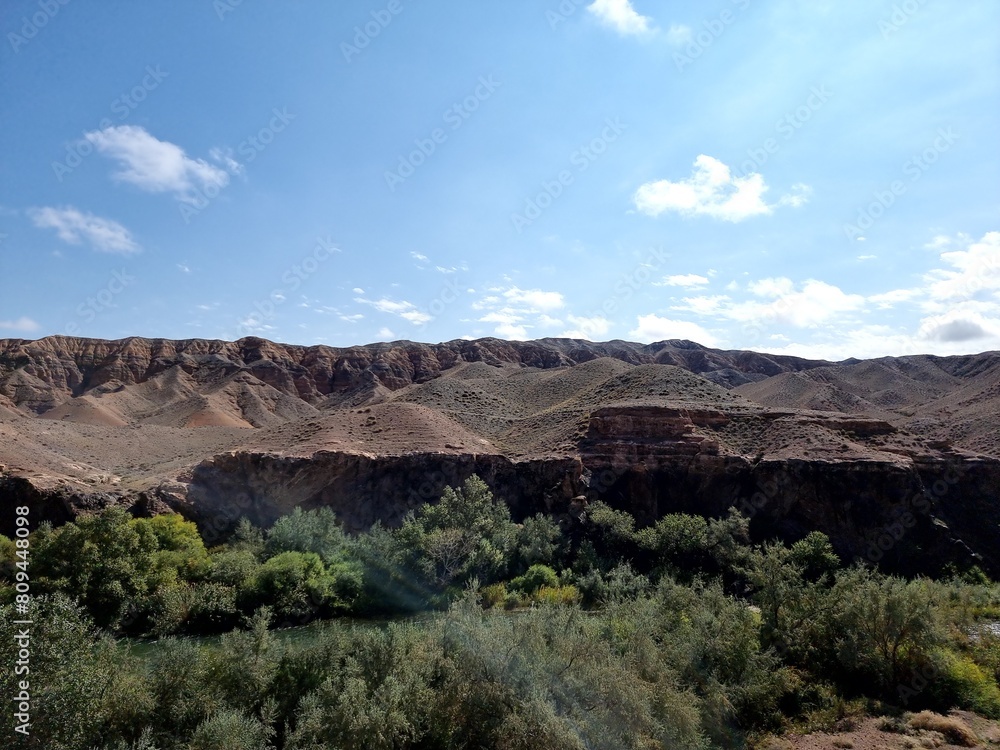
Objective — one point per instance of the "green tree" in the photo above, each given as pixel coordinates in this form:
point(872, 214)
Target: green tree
point(468, 534)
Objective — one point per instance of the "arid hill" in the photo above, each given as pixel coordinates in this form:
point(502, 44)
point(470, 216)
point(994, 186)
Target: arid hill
point(219, 429)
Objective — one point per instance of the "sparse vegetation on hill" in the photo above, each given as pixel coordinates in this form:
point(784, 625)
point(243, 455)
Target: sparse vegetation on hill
point(679, 634)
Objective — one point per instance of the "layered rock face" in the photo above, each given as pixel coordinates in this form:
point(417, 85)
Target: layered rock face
point(551, 426)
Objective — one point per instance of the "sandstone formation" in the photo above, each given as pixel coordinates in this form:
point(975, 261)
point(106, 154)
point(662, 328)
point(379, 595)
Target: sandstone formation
point(218, 430)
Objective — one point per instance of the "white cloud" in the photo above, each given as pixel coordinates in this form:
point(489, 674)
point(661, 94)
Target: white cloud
point(405, 310)
point(157, 166)
point(535, 299)
point(650, 328)
point(703, 305)
point(974, 269)
point(712, 190)
point(689, 281)
point(74, 226)
point(509, 331)
point(503, 317)
point(22, 325)
point(817, 302)
point(358, 290)
point(384, 334)
point(592, 329)
point(888, 300)
point(547, 321)
point(183, 268)
point(678, 35)
point(621, 16)
point(418, 256)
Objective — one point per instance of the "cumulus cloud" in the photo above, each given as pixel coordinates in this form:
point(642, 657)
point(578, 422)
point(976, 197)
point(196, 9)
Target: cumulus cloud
point(713, 190)
point(75, 226)
point(955, 329)
point(157, 166)
point(621, 16)
point(650, 328)
point(21, 325)
point(972, 269)
point(778, 301)
point(815, 303)
point(511, 332)
point(591, 329)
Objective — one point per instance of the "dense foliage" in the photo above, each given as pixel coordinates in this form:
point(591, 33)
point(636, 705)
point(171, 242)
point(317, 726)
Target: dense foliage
point(589, 634)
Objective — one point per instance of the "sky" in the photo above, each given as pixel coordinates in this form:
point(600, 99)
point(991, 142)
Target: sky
point(819, 179)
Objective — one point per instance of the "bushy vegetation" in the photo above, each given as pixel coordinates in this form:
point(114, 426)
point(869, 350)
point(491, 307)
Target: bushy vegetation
point(682, 634)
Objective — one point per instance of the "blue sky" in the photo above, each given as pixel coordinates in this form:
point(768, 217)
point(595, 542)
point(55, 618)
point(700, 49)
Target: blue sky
point(815, 178)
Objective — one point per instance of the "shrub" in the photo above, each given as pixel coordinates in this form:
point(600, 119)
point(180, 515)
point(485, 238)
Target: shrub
point(231, 730)
point(959, 681)
point(494, 595)
point(308, 531)
point(561, 595)
point(536, 577)
point(954, 729)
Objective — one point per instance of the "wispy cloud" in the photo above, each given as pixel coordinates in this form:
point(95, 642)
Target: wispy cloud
point(157, 166)
point(405, 310)
point(713, 190)
point(21, 325)
point(688, 281)
point(534, 299)
point(75, 226)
